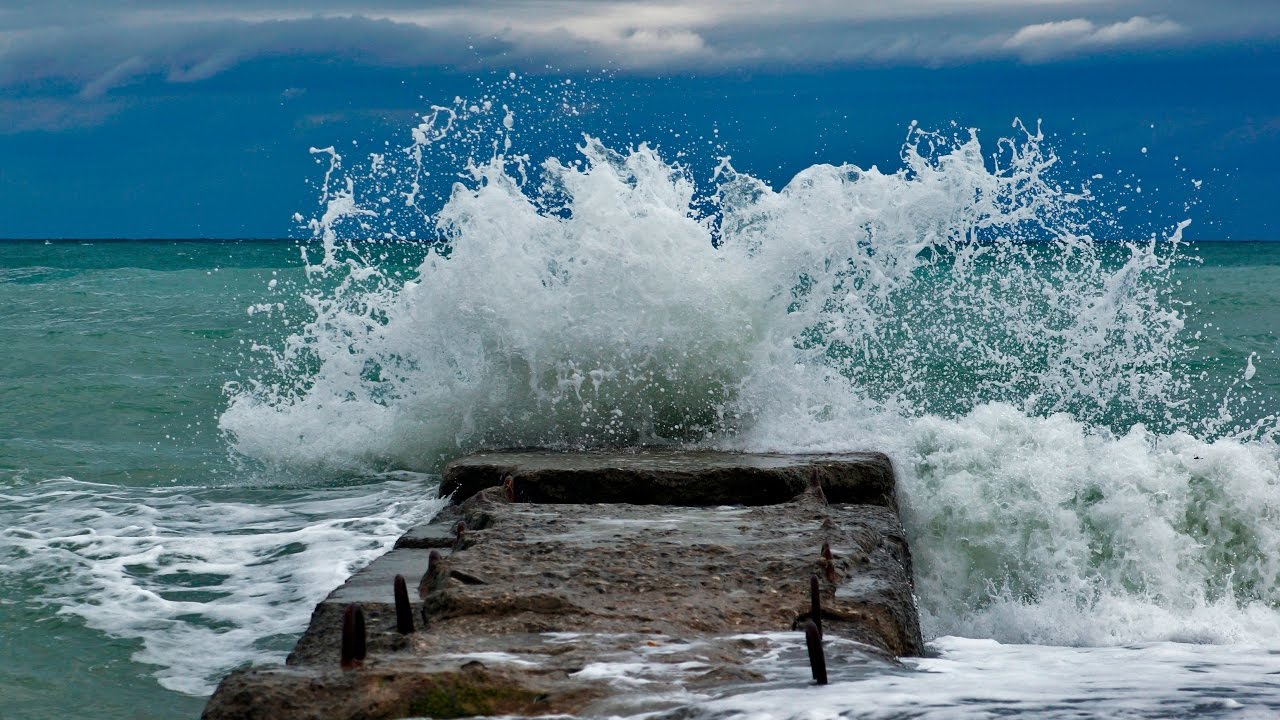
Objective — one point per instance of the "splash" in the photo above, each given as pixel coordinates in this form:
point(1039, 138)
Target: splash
point(960, 312)
point(603, 300)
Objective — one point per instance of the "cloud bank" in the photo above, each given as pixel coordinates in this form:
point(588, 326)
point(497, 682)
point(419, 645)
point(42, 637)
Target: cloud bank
point(94, 48)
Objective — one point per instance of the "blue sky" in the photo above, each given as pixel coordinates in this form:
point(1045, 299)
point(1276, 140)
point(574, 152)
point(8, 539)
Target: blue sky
point(158, 118)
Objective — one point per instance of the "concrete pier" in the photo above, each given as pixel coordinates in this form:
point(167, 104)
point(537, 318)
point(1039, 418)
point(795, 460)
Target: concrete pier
point(604, 583)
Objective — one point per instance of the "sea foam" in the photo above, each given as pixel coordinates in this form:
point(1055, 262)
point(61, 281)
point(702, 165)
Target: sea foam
point(202, 579)
point(1061, 480)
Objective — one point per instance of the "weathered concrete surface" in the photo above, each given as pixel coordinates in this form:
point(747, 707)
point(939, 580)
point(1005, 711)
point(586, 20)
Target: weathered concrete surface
point(387, 690)
point(526, 613)
point(656, 476)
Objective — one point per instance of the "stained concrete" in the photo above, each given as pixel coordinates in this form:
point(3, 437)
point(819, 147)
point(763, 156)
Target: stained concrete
point(539, 593)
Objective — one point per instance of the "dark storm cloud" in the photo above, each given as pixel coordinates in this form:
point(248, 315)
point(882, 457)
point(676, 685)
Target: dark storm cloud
point(99, 57)
point(95, 47)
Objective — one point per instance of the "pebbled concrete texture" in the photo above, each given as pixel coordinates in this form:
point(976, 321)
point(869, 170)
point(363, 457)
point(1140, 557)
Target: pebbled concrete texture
point(527, 611)
point(662, 476)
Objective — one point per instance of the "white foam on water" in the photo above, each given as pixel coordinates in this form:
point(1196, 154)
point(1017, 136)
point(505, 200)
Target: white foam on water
point(205, 579)
point(971, 679)
point(1048, 530)
point(983, 679)
point(497, 658)
point(1062, 481)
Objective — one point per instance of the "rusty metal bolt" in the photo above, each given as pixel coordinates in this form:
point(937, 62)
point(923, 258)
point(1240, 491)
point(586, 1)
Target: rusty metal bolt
point(459, 535)
point(404, 611)
point(817, 659)
point(431, 577)
point(815, 604)
point(815, 486)
point(829, 564)
point(353, 637)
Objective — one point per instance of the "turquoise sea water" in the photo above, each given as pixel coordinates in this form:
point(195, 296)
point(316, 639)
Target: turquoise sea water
point(198, 440)
point(124, 516)
point(140, 558)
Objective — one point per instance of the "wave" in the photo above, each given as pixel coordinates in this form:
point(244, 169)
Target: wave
point(961, 312)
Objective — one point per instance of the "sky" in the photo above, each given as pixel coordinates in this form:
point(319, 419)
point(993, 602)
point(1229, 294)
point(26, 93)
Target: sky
point(168, 118)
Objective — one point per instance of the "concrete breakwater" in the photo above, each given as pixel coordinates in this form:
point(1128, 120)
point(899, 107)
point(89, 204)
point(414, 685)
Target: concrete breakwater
point(602, 583)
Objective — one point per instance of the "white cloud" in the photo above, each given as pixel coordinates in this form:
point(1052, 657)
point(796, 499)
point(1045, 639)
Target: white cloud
point(1052, 39)
point(1137, 29)
point(1064, 31)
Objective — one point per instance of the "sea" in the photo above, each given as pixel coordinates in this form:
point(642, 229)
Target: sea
point(199, 439)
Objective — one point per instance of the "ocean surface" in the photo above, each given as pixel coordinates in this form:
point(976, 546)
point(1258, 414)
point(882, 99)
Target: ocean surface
point(199, 439)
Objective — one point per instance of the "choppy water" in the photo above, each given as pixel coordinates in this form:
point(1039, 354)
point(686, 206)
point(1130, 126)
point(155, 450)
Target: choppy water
point(198, 440)
point(137, 562)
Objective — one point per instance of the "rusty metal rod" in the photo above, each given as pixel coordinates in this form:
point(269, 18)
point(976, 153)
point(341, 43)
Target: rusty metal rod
point(353, 637)
point(817, 659)
point(815, 604)
point(829, 564)
point(404, 611)
point(431, 577)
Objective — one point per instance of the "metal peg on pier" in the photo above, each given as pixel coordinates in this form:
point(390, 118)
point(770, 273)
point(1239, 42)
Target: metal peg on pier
point(404, 611)
point(817, 659)
point(353, 637)
point(829, 564)
point(815, 486)
point(815, 604)
point(431, 577)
